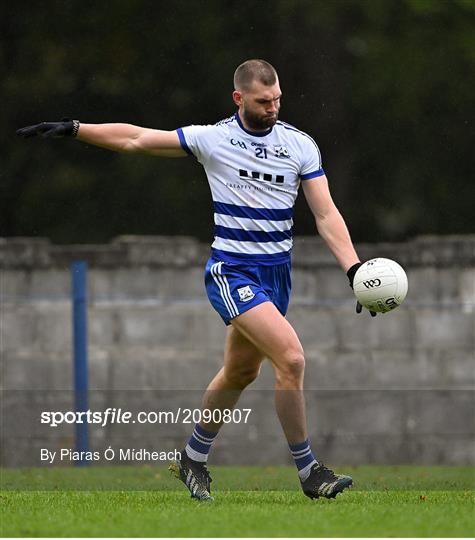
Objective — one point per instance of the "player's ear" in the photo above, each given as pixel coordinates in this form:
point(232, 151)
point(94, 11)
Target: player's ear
point(237, 98)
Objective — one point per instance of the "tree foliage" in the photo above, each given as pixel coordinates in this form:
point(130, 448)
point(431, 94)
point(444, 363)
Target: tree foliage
point(384, 86)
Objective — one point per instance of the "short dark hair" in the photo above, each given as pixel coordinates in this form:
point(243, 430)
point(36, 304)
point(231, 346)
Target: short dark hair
point(254, 70)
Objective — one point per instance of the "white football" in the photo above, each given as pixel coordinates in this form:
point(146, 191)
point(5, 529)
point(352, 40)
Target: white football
point(380, 285)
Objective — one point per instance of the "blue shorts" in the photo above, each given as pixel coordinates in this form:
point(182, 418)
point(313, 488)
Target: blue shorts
point(235, 288)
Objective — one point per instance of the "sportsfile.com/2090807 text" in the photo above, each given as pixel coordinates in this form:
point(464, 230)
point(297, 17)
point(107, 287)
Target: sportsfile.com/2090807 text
point(114, 415)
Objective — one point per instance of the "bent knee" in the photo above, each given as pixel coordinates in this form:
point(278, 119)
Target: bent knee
point(291, 365)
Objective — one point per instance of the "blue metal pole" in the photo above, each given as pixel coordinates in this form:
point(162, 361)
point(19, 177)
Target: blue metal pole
point(79, 290)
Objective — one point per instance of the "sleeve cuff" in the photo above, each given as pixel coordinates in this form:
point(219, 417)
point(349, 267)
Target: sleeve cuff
point(181, 136)
point(313, 174)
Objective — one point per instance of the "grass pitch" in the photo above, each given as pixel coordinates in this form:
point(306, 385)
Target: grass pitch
point(249, 501)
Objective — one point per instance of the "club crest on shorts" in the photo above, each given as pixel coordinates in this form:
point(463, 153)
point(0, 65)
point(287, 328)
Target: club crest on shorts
point(245, 294)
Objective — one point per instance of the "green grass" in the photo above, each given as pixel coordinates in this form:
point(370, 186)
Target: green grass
point(386, 501)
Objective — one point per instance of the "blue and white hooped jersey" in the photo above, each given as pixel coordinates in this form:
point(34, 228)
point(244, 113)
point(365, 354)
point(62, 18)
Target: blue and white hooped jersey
point(254, 179)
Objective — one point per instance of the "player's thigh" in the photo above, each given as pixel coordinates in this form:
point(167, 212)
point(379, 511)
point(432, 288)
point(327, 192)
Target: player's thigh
point(242, 359)
point(272, 334)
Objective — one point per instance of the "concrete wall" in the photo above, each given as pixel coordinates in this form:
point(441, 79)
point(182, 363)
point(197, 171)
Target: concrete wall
point(394, 389)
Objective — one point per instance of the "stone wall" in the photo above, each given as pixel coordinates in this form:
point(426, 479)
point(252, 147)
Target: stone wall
point(394, 389)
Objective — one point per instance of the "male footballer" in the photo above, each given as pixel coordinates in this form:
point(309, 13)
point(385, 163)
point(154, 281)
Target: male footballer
point(255, 164)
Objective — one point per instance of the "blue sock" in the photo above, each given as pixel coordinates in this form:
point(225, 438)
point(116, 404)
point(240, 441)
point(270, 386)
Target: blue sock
point(303, 457)
point(199, 445)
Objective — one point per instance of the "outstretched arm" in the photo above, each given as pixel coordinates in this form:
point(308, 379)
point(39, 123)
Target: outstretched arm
point(130, 138)
point(117, 137)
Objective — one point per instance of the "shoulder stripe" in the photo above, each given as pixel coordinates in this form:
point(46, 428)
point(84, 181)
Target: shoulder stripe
point(293, 128)
point(226, 121)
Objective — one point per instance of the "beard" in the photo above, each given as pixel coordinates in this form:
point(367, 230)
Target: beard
point(258, 122)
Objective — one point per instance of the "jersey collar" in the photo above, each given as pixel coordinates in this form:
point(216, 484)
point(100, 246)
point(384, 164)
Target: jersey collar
point(253, 133)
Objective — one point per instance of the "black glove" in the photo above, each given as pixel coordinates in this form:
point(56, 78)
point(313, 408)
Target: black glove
point(351, 276)
point(65, 128)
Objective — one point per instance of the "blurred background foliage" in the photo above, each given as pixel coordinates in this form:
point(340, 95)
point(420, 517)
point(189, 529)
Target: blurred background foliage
point(386, 87)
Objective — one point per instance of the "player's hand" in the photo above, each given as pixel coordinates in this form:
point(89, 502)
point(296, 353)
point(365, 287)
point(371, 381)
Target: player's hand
point(351, 276)
point(359, 309)
point(65, 128)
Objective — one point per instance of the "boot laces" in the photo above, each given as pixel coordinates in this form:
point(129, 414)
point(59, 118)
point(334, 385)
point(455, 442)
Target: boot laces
point(327, 473)
point(202, 473)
